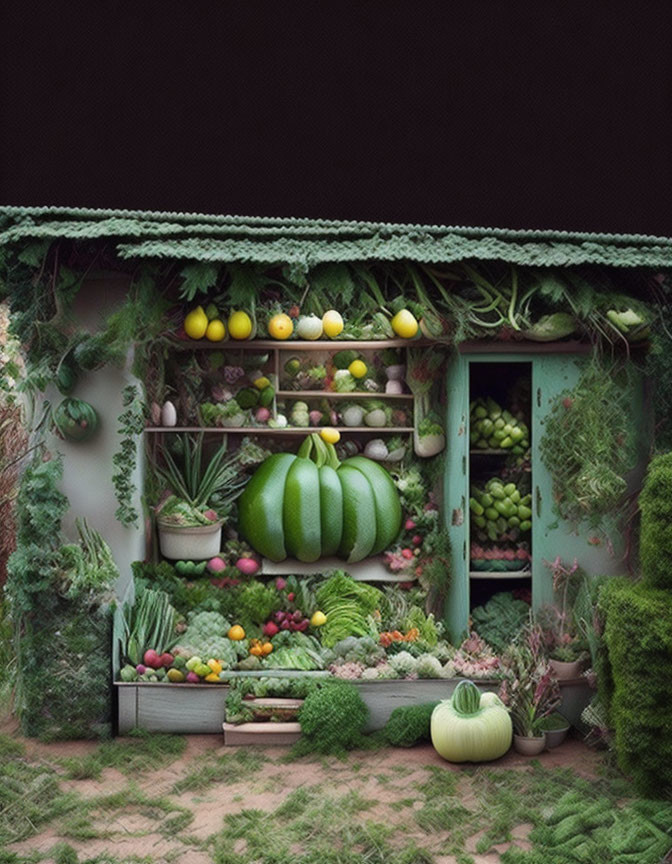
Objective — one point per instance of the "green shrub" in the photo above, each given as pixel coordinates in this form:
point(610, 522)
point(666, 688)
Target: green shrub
point(409, 724)
point(332, 719)
point(639, 638)
point(656, 526)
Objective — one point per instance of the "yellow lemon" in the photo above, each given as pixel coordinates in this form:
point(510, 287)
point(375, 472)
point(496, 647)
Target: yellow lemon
point(280, 326)
point(404, 324)
point(216, 330)
point(261, 383)
point(357, 369)
point(332, 323)
point(240, 325)
point(196, 323)
point(318, 619)
point(330, 435)
point(236, 633)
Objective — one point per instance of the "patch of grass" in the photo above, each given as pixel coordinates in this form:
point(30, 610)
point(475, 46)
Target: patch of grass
point(210, 769)
point(140, 752)
point(10, 747)
point(402, 804)
point(30, 795)
point(441, 781)
point(79, 826)
point(176, 824)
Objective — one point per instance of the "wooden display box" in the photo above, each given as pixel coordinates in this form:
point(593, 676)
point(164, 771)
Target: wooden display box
point(199, 708)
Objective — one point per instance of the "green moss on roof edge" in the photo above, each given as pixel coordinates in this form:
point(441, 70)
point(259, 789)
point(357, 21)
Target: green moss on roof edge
point(269, 240)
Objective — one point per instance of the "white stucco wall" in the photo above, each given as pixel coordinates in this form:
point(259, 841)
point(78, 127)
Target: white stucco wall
point(87, 465)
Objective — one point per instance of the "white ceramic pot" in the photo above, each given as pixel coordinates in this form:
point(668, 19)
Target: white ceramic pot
point(395, 373)
point(555, 737)
point(190, 544)
point(563, 670)
point(529, 746)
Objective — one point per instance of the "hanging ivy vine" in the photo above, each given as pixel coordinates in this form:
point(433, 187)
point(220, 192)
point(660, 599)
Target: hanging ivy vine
point(131, 425)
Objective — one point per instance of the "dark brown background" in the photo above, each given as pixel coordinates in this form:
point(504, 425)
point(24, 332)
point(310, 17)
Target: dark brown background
point(480, 112)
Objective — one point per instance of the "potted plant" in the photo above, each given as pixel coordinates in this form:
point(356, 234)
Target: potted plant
point(189, 527)
point(555, 728)
point(565, 649)
point(566, 658)
point(529, 690)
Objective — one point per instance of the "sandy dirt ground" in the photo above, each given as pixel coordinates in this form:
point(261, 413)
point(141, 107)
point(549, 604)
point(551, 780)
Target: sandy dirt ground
point(133, 828)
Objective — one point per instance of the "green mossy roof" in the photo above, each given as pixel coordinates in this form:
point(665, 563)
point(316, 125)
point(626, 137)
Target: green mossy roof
point(307, 242)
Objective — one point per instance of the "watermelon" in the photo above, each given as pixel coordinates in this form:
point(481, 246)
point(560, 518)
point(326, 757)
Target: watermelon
point(311, 506)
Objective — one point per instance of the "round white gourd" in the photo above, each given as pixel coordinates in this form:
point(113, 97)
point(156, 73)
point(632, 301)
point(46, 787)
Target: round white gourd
point(470, 726)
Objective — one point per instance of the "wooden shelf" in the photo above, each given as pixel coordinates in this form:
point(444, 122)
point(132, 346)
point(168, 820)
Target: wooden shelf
point(489, 452)
point(287, 430)
point(499, 574)
point(329, 394)
point(301, 345)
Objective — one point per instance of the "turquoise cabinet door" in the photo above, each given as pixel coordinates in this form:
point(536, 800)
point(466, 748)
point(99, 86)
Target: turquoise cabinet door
point(551, 536)
point(456, 495)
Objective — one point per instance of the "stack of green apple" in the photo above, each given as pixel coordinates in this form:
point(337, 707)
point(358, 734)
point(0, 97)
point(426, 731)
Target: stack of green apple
point(499, 510)
point(494, 428)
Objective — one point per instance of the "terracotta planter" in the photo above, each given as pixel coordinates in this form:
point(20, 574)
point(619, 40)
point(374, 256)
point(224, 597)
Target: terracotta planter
point(529, 746)
point(190, 544)
point(563, 671)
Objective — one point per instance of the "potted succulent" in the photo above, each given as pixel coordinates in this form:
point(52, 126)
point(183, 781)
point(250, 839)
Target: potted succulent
point(566, 658)
point(529, 690)
point(189, 527)
point(555, 727)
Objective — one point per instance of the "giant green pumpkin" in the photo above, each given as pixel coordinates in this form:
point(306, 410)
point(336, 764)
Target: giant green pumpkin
point(311, 505)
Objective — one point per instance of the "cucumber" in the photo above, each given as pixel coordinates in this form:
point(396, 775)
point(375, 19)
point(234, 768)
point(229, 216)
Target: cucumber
point(359, 515)
point(385, 499)
point(331, 510)
point(301, 511)
point(259, 516)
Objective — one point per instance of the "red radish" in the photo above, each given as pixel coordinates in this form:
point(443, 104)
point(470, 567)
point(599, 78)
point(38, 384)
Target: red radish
point(290, 596)
point(298, 615)
point(192, 678)
point(279, 616)
point(152, 659)
point(315, 417)
point(216, 565)
point(247, 566)
point(270, 629)
point(406, 553)
point(417, 540)
point(509, 554)
point(167, 659)
point(140, 669)
point(285, 625)
point(303, 625)
point(280, 583)
point(409, 525)
point(293, 625)
point(262, 415)
point(211, 515)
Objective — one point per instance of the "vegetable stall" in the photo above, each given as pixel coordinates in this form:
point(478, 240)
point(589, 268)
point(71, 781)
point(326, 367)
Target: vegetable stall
point(399, 456)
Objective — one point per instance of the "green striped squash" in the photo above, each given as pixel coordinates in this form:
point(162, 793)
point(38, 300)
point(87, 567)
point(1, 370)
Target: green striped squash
point(311, 506)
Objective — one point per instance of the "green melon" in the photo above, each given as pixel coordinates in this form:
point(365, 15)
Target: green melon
point(311, 506)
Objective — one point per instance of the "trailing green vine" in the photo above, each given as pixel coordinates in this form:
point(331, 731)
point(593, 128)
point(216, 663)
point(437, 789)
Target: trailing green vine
point(131, 425)
point(587, 446)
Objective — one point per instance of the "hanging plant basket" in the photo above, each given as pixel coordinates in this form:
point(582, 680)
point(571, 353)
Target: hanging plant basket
point(75, 420)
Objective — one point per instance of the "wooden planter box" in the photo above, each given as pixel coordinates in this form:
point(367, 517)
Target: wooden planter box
point(199, 708)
